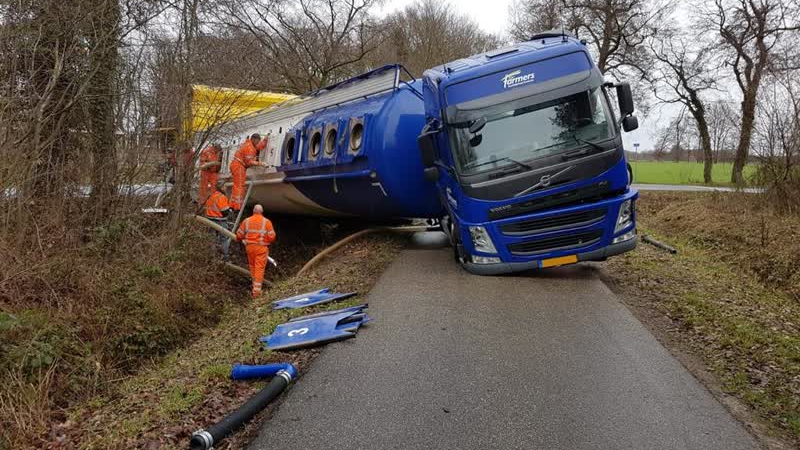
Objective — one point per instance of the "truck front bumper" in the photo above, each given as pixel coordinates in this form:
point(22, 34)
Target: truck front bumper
point(595, 255)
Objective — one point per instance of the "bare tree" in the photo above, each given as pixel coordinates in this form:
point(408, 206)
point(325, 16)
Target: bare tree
point(428, 33)
point(220, 55)
point(531, 16)
point(776, 139)
point(682, 75)
point(308, 43)
point(722, 125)
point(103, 35)
point(617, 30)
point(661, 145)
point(751, 35)
point(675, 138)
point(61, 86)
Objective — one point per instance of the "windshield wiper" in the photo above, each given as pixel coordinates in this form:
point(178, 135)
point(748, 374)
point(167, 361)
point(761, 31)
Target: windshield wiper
point(590, 143)
point(582, 152)
point(505, 158)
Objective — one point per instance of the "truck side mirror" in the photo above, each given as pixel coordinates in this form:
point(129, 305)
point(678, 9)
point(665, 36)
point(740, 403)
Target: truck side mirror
point(630, 123)
point(625, 98)
point(427, 148)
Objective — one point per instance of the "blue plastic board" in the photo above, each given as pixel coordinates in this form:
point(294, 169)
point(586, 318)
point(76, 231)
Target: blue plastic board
point(309, 299)
point(302, 296)
point(315, 331)
point(353, 309)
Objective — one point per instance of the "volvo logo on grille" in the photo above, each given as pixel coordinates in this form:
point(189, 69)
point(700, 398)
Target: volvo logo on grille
point(544, 181)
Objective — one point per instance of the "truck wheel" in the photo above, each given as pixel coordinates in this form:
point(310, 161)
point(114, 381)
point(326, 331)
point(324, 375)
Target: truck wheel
point(447, 228)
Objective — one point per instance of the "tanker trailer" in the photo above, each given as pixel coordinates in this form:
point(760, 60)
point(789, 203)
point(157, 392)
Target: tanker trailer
point(347, 150)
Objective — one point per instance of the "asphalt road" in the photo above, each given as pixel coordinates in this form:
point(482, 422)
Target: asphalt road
point(550, 360)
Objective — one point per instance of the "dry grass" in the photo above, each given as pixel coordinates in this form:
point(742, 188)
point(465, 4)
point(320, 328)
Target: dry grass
point(26, 406)
point(741, 229)
point(716, 295)
point(86, 308)
point(83, 311)
point(190, 389)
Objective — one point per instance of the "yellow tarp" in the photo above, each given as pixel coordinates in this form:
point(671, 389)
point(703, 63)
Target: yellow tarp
point(212, 106)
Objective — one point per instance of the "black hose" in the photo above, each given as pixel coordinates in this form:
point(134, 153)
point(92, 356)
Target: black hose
point(205, 439)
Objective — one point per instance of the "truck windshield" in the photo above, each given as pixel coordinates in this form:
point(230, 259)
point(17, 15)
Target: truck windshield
point(527, 133)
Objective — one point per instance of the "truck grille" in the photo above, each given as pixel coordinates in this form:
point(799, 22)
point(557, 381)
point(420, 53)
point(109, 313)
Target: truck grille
point(554, 223)
point(589, 194)
point(565, 242)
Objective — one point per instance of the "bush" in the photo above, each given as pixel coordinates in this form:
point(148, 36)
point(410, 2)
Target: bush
point(87, 307)
point(780, 179)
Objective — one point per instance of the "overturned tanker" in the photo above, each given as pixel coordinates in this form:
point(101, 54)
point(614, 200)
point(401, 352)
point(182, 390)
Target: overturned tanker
point(518, 152)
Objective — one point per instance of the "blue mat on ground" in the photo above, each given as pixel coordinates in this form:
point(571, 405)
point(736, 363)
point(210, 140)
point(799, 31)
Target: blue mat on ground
point(310, 298)
point(317, 329)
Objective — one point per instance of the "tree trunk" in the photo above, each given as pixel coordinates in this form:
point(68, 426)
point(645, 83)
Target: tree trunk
point(705, 143)
point(743, 148)
point(185, 76)
point(100, 97)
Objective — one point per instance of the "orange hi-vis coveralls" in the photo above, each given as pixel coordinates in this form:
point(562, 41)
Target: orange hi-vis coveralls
point(257, 233)
point(210, 175)
point(216, 205)
point(246, 156)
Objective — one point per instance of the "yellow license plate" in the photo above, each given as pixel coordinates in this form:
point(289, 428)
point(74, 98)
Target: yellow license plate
point(553, 262)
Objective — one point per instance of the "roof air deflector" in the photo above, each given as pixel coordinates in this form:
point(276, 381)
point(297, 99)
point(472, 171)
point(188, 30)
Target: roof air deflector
point(501, 52)
point(550, 34)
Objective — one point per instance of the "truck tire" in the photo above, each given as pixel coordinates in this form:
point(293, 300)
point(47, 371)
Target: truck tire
point(447, 228)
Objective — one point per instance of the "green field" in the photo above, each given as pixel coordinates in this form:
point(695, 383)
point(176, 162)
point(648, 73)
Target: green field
point(668, 172)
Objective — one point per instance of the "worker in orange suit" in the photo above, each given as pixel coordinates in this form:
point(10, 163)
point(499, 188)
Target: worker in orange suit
point(245, 157)
point(218, 210)
point(187, 154)
point(257, 233)
point(217, 206)
point(210, 163)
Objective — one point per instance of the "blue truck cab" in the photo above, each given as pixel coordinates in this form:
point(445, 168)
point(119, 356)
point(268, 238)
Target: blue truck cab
point(527, 156)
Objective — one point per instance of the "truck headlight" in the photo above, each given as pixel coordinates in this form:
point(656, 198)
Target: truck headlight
point(481, 240)
point(485, 259)
point(625, 237)
point(625, 216)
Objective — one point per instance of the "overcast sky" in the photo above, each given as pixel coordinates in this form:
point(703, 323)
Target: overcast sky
point(494, 19)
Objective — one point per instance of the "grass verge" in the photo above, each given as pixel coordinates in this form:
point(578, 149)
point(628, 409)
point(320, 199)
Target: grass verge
point(744, 326)
point(190, 389)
